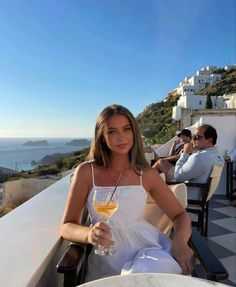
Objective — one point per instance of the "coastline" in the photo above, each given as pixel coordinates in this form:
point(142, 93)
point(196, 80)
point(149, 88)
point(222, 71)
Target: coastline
point(16, 156)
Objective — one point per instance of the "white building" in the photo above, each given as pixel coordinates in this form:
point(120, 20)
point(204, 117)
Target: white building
point(206, 70)
point(227, 101)
point(191, 85)
point(230, 67)
point(195, 101)
point(188, 90)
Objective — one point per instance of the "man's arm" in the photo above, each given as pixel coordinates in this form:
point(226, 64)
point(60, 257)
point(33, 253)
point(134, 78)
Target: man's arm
point(188, 167)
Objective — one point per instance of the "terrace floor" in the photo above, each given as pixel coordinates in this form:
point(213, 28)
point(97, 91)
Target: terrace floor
point(222, 234)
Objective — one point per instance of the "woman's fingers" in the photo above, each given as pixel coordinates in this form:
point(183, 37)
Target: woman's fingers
point(101, 235)
point(184, 268)
point(187, 266)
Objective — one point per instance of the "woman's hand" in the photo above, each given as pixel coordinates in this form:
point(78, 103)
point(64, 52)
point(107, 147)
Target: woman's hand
point(177, 141)
point(184, 255)
point(100, 234)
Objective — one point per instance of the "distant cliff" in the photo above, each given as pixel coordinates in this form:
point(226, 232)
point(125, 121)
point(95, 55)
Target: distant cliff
point(36, 143)
point(78, 142)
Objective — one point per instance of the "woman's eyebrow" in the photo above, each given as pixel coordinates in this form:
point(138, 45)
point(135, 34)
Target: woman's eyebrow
point(114, 128)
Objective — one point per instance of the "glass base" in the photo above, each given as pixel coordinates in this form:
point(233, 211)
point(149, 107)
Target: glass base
point(99, 250)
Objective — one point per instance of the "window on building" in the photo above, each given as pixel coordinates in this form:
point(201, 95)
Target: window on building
point(200, 102)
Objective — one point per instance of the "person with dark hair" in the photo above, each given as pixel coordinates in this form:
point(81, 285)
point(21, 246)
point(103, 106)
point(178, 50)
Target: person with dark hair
point(198, 157)
point(117, 162)
point(166, 164)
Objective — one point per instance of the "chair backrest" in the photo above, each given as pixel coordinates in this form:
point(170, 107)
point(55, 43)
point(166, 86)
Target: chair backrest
point(215, 179)
point(155, 216)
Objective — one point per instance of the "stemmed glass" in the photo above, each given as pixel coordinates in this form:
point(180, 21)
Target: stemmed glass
point(105, 204)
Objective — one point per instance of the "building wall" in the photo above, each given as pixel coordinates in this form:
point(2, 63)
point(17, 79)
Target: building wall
point(195, 102)
point(16, 191)
point(225, 123)
point(229, 101)
point(186, 119)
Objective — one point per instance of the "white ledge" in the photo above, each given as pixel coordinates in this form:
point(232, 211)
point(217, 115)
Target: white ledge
point(30, 237)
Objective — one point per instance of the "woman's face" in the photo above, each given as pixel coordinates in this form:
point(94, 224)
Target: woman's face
point(118, 134)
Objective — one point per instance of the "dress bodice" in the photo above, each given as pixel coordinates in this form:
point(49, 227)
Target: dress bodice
point(132, 234)
point(131, 204)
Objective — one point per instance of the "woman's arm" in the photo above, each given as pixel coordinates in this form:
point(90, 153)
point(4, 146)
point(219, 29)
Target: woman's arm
point(173, 146)
point(166, 200)
point(71, 228)
point(77, 196)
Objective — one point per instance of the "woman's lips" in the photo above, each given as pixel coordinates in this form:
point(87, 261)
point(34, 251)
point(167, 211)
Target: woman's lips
point(122, 145)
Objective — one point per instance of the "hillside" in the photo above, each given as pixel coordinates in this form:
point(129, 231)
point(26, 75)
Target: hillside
point(156, 120)
point(227, 85)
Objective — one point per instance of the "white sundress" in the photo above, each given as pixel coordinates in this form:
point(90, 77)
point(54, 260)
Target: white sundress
point(140, 247)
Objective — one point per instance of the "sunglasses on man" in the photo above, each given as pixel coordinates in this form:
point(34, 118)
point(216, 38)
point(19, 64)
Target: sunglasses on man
point(196, 137)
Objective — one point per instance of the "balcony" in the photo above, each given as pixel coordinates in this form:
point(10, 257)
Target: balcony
point(30, 241)
point(31, 244)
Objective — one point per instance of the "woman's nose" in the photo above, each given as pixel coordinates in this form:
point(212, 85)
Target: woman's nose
point(120, 135)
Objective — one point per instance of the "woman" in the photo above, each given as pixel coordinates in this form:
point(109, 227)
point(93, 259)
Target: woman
point(117, 150)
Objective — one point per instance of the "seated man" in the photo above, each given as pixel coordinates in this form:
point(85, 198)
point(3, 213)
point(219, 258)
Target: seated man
point(197, 159)
point(166, 164)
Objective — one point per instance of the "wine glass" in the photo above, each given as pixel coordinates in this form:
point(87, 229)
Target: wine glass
point(105, 204)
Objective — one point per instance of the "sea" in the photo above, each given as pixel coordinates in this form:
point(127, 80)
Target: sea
point(16, 156)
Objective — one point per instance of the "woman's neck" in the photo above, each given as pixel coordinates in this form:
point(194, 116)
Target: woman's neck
point(119, 164)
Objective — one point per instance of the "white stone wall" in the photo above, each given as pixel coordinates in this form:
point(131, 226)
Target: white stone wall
point(226, 130)
point(30, 242)
point(176, 113)
point(17, 190)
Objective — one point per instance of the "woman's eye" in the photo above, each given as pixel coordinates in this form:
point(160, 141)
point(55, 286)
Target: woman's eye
point(111, 132)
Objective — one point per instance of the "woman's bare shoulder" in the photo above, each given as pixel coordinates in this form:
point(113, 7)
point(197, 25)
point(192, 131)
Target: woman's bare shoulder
point(150, 171)
point(83, 168)
point(151, 175)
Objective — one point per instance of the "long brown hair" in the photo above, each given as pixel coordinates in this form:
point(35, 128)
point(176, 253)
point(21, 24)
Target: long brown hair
point(100, 152)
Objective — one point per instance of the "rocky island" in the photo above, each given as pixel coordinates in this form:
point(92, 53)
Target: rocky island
point(78, 142)
point(36, 143)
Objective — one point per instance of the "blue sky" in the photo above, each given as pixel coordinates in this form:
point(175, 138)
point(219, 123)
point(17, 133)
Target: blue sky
point(63, 61)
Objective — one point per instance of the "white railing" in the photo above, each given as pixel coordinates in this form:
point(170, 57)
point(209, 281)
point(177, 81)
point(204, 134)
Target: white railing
point(30, 244)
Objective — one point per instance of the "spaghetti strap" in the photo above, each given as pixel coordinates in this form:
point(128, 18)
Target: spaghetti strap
point(92, 173)
point(141, 177)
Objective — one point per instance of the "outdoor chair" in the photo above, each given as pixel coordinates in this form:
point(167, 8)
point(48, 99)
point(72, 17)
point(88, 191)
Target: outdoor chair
point(73, 262)
point(200, 206)
point(230, 178)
